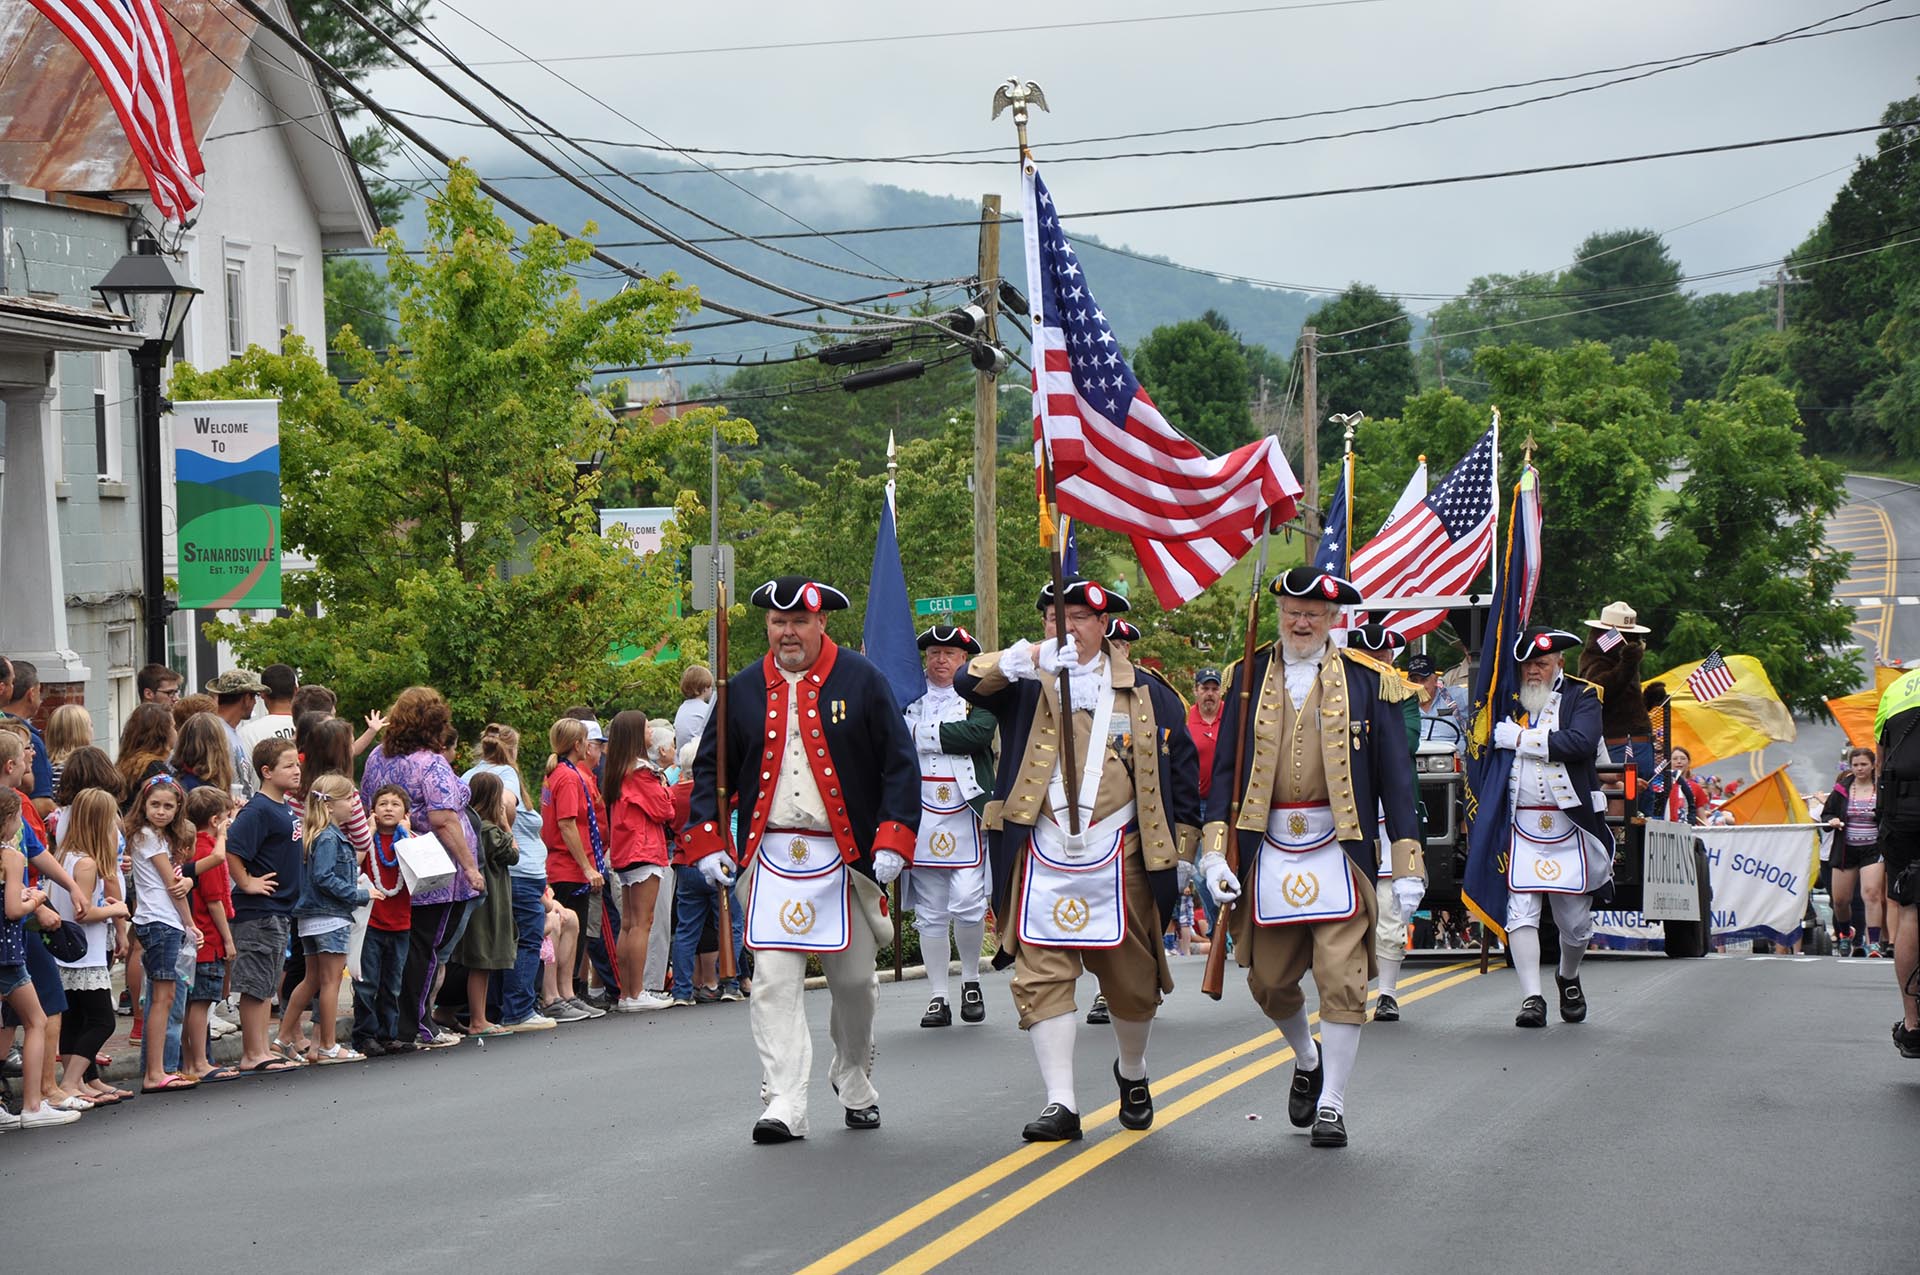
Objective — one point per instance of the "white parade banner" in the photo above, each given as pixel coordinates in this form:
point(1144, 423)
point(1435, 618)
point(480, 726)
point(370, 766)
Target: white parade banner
point(1762, 876)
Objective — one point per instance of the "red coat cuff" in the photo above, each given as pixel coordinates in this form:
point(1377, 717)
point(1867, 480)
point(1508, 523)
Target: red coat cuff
point(897, 837)
point(703, 839)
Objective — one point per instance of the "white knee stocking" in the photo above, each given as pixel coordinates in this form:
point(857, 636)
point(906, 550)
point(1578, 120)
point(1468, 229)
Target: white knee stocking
point(1339, 1046)
point(969, 937)
point(1389, 977)
point(1570, 954)
point(1306, 1054)
point(1133, 1046)
point(1524, 945)
point(1053, 1050)
point(933, 953)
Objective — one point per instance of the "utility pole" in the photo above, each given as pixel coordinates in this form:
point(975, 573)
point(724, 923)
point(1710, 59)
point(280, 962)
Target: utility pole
point(986, 440)
point(1780, 300)
point(1439, 357)
point(1310, 417)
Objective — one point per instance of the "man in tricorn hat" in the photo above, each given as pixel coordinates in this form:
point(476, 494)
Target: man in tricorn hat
point(947, 885)
point(1611, 661)
point(1561, 848)
point(1091, 888)
point(822, 777)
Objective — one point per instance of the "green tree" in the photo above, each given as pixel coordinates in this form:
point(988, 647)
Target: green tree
point(357, 298)
point(453, 536)
point(1366, 359)
point(1496, 309)
point(1625, 287)
point(351, 49)
point(1197, 375)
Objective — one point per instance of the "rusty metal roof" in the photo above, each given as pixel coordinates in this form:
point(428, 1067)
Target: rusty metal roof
point(58, 131)
point(39, 307)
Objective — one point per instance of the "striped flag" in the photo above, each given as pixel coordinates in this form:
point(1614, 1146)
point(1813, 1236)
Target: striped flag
point(1117, 463)
point(1607, 639)
point(1711, 680)
point(130, 48)
point(1438, 546)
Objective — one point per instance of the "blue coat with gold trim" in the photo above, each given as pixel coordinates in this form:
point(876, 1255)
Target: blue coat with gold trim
point(858, 747)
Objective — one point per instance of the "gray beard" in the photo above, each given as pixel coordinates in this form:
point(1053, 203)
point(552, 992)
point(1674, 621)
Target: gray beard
point(1303, 650)
point(1534, 698)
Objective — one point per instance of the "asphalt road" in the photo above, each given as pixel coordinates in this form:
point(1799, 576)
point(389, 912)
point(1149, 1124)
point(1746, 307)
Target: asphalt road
point(1689, 1124)
point(1880, 517)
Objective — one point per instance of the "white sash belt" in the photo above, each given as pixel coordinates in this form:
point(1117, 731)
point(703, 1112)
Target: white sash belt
point(798, 896)
point(1302, 874)
point(949, 830)
point(1076, 900)
point(1547, 854)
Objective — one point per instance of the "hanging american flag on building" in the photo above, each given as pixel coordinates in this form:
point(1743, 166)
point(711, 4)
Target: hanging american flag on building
point(1439, 546)
point(1117, 463)
point(130, 48)
point(1712, 679)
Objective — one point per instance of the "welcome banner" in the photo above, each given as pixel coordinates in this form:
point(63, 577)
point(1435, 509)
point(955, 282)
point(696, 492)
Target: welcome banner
point(1762, 876)
point(226, 456)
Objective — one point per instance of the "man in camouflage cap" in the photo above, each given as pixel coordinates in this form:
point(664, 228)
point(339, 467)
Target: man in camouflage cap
point(235, 689)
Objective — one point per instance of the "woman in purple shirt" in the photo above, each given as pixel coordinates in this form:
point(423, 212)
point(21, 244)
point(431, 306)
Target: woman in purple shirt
point(409, 755)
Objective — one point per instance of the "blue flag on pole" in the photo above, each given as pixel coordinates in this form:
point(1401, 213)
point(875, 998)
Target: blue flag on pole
point(1330, 555)
point(1496, 696)
point(1070, 552)
point(888, 636)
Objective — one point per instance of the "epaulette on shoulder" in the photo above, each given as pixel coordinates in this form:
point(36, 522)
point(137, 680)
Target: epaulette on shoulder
point(1393, 687)
point(1599, 691)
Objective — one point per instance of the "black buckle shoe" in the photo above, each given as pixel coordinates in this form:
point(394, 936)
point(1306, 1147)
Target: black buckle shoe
point(1573, 1001)
point(1098, 1014)
point(1329, 1128)
point(1304, 1094)
point(1136, 1101)
point(1387, 1010)
point(863, 1117)
point(939, 1013)
point(973, 1006)
point(770, 1132)
point(1533, 1012)
point(1055, 1123)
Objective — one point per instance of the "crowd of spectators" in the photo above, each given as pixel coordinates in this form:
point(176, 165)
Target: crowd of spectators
point(244, 853)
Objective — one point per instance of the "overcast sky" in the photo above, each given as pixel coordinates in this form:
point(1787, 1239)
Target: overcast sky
point(934, 94)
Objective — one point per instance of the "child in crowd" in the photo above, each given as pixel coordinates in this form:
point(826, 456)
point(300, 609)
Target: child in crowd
point(268, 868)
point(70, 727)
point(16, 985)
point(324, 919)
point(559, 948)
point(491, 942)
point(383, 952)
point(157, 830)
point(210, 810)
point(89, 848)
point(641, 823)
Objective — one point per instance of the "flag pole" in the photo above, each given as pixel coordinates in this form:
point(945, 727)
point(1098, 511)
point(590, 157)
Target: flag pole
point(1021, 95)
point(899, 952)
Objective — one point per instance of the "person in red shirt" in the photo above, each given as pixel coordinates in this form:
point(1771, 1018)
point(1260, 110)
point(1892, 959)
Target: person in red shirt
point(210, 809)
point(573, 827)
point(1203, 723)
point(641, 816)
point(383, 950)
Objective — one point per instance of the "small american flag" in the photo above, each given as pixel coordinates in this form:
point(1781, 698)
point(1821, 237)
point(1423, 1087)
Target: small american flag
point(130, 48)
point(1438, 546)
point(1608, 639)
point(1117, 463)
point(1711, 680)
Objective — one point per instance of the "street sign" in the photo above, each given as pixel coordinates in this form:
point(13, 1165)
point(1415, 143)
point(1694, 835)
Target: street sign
point(946, 606)
point(703, 575)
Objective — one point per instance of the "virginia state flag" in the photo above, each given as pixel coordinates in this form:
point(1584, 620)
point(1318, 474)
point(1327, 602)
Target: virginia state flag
point(888, 637)
point(1496, 696)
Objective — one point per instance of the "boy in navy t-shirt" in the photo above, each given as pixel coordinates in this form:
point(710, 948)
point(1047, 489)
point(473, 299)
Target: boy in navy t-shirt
point(265, 859)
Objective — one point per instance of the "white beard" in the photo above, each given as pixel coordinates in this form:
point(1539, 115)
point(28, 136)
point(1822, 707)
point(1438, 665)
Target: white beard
point(1534, 698)
point(1303, 649)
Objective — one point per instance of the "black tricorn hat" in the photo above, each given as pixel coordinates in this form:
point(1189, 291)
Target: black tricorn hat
point(950, 635)
point(1306, 582)
point(1374, 639)
point(798, 593)
point(1123, 630)
point(1087, 593)
point(1541, 640)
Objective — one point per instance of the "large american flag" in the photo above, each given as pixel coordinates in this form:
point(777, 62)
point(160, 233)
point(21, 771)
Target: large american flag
point(130, 48)
point(1117, 463)
point(1437, 547)
point(1712, 679)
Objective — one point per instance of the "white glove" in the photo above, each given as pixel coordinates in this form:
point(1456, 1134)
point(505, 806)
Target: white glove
point(1506, 735)
point(1220, 879)
point(717, 871)
point(887, 866)
point(1053, 654)
point(1016, 662)
point(1407, 893)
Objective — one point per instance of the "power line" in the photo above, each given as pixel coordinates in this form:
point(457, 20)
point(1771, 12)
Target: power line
point(789, 45)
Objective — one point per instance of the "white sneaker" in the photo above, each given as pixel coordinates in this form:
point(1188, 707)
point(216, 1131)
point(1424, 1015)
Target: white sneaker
point(653, 1000)
point(534, 1022)
point(46, 1115)
point(629, 1005)
point(8, 1121)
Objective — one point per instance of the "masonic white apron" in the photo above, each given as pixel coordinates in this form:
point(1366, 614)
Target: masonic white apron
point(797, 900)
point(1073, 894)
point(950, 834)
point(1302, 874)
point(1547, 854)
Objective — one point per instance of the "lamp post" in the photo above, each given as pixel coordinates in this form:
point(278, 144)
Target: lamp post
point(143, 287)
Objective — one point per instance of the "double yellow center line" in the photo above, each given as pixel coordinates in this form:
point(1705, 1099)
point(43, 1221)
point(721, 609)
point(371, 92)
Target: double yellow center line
point(1085, 1159)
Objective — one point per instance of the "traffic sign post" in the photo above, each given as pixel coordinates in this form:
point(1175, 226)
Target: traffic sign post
point(948, 605)
point(703, 575)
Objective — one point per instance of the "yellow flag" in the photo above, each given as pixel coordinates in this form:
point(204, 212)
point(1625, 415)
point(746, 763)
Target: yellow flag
point(1772, 798)
point(1854, 714)
point(1748, 717)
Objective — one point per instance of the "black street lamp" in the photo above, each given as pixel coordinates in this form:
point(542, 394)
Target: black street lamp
point(143, 287)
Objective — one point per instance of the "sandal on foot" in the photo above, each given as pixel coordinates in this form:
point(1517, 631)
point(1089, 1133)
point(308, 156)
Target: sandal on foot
point(171, 1083)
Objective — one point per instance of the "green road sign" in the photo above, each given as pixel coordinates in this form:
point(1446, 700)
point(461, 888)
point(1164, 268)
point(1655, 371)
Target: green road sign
point(943, 606)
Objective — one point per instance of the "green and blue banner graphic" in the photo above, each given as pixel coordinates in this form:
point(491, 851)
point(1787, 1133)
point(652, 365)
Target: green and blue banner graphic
point(227, 478)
